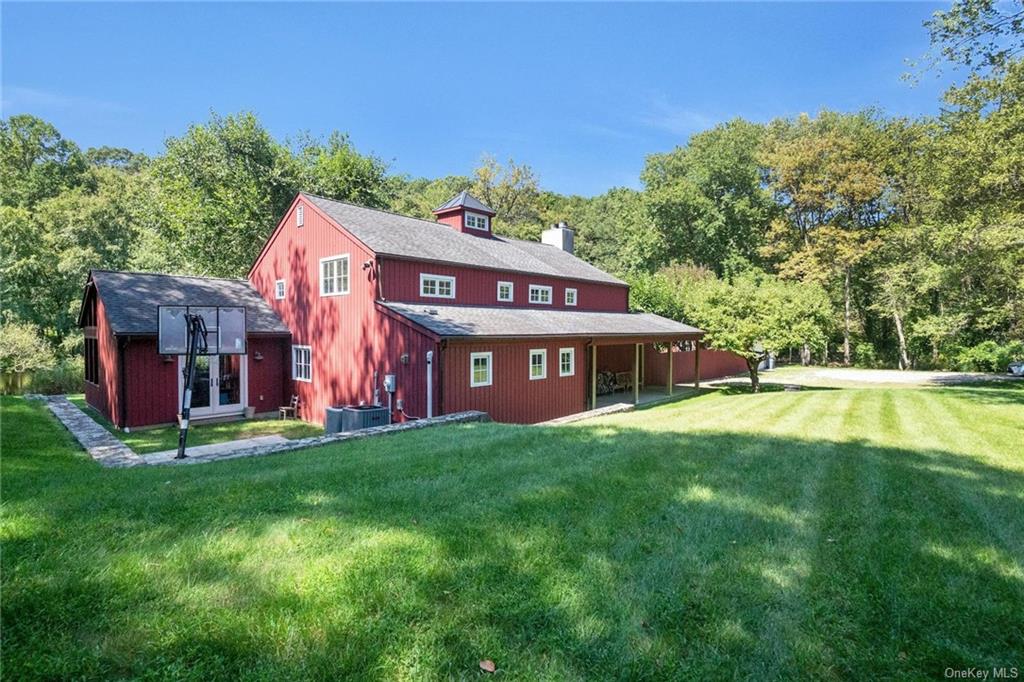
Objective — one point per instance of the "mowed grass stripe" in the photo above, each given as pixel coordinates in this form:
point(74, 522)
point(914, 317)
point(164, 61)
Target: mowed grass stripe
point(688, 540)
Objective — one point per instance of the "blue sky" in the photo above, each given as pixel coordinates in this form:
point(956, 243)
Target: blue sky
point(581, 92)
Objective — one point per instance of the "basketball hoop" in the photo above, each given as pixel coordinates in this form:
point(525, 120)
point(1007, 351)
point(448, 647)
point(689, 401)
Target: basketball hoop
point(193, 331)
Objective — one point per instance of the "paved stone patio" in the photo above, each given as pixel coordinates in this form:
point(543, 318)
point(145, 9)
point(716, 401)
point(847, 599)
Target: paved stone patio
point(106, 449)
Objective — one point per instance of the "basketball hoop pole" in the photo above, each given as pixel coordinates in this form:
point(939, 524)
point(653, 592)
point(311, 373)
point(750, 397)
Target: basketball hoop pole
point(196, 343)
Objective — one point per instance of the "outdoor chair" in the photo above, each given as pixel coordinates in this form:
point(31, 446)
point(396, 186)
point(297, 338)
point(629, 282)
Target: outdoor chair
point(291, 409)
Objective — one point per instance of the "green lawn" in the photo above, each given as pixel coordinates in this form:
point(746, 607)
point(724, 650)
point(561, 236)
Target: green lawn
point(166, 437)
point(816, 534)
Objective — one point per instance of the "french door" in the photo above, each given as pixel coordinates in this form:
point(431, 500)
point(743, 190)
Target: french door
point(220, 386)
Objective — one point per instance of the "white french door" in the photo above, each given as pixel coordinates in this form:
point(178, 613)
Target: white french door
point(220, 387)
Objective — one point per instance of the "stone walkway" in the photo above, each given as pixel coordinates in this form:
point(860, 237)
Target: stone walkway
point(106, 449)
point(225, 448)
point(327, 439)
point(101, 445)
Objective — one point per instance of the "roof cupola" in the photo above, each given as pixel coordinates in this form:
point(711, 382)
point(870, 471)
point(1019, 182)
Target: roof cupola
point(465, 213)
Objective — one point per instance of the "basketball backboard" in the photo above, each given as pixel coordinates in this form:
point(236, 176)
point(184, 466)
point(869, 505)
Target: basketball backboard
point(225, 329)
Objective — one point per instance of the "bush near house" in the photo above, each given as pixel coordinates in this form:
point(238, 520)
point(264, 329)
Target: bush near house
point(989, 356)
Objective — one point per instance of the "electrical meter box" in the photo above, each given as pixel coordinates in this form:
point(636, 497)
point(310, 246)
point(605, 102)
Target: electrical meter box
point(389, 383)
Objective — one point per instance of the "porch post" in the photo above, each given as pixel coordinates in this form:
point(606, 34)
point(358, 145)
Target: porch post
point(696, 365)
point(636, 374)
point(593, 376)
point(671, 379)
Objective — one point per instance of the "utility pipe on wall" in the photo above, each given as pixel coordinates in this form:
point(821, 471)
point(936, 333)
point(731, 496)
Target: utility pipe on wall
point(430, 383)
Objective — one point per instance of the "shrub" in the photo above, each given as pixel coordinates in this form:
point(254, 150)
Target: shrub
point(989, 356)
point(864, 354)
point(23, 352)
point(67, 376)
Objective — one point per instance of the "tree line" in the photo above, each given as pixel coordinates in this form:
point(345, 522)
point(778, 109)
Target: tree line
point(852, 237)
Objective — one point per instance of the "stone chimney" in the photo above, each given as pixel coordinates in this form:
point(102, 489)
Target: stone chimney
point(558, 235)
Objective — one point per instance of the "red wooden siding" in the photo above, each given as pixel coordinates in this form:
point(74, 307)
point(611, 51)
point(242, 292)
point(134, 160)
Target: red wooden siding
point(512, 395)
point(618, 358)
point(474, 286)
point(714, 364)
point(151, 384)
point(348, 337)
point(103, 396)
point(269, 378)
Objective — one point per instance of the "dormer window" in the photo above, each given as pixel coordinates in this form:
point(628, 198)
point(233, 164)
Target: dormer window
point(477, 221)
point(300, 215)
point(570, 296)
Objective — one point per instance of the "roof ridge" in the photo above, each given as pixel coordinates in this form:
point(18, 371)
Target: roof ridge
point(376, 210)
point(169, 274)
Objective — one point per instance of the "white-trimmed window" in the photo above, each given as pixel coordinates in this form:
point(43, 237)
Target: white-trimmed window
point(570, 296)
point(539, 363)
point(279, 289)
point(566, 362)
point(437, 286)
point(477, 221)
point(479, 369)
point(334, 275)
point(302, 363)
point(300, 215)
point(540, 294)
point(505, 291)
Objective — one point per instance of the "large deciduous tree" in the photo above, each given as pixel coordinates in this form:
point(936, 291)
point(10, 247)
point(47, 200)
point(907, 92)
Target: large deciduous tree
point(706, 199)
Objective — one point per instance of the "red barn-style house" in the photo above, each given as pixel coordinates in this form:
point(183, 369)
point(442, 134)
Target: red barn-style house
point(342, 296)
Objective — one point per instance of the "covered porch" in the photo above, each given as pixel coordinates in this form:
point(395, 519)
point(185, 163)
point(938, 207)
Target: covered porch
point(638, 370)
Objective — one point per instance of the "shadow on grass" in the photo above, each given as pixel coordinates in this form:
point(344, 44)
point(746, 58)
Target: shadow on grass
point(568, 552)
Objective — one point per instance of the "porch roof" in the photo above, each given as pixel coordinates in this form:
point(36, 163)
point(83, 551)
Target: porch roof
point(459, 321)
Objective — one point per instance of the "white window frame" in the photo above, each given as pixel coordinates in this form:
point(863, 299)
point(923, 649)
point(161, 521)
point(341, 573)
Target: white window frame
point(425, 276)
point(575, 296)
point(280, 290)
point(300, 215)
point(296, 363)
point(348, 274)
point(479, 221)
point(511, 292)
point(539, 288)
point(543, 352)
point(572, 362)
point(489, 356)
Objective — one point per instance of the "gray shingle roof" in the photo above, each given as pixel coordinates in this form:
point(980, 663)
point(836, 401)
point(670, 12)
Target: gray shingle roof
point(466, 200)
point(390, 234)
point(131, 299)
point(470, 321)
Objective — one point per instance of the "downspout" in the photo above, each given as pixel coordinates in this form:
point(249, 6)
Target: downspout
point(122, 392)
point(380, 278)
point(442, 346)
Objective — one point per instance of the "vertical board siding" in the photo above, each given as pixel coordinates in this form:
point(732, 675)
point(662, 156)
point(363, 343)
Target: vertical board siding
point(151, 384)
point(512, 395)
point(349, 338)
point(714, 364)
point(473, 286)
point(103, 396)
point(616, 358)
point(269, 378)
